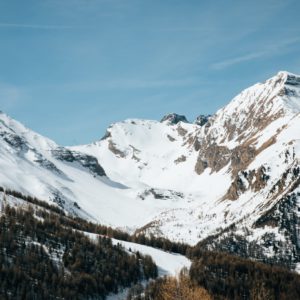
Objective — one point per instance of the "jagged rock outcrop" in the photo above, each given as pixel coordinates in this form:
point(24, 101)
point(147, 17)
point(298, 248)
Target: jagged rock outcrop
point(84, 160)
point(202, 120)
point(237, 126)
point(173, 119)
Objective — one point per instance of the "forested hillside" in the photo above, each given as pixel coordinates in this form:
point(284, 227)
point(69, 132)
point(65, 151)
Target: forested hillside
point(43, 258)
point(47, 254)
point(231, 277)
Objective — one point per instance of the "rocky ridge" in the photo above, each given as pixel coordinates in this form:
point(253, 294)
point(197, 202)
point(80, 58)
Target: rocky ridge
point(230, 180)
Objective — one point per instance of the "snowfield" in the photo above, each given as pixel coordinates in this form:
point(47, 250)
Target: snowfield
point(175, 179)
point(168, 263)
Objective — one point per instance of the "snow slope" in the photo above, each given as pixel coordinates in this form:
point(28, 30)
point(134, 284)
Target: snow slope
point(205, 163)
point(168, 263)
point(173, 178)
point(151, 154)
point(37, 166)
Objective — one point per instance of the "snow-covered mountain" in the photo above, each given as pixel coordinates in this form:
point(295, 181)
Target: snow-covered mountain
point(233, 176)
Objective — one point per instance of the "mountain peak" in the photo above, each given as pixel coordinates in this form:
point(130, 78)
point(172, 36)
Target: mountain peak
point(278, 93)
point(256, 107)
point(285, 78)
point(291, 79)
point(202, 120)
point(173, 119)
point(287, 73)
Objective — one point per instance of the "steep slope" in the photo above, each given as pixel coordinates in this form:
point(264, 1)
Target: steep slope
point(168, 263)
point(44, 254)
point(74, 180)
point(232, 174)
point(234, 167)
point(149, 153)
point(256, 140)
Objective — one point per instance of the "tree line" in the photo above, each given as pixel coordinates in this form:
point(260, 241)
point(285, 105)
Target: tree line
point(83, 225)
point(169, 288)
point(230, 277)
point(42, 258)
point(221, 275)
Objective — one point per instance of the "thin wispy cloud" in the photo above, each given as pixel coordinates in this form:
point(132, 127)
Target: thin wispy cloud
point(127, 84)
point(38, 26)
point(141, 84)
point(187, 29)
point(236, 60)
point(269, 51)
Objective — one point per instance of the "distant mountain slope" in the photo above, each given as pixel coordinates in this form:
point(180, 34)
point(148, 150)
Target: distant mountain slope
point(230, 175)
point(237, 167)
point(76, 181)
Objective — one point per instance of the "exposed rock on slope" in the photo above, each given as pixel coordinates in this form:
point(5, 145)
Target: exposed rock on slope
point(201, 120)
point(84, 160)
point(221, 176)
point(174, 119)
point(234, 167)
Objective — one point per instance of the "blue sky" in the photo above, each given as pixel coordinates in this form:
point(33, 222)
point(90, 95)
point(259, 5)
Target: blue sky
point(70, 68)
